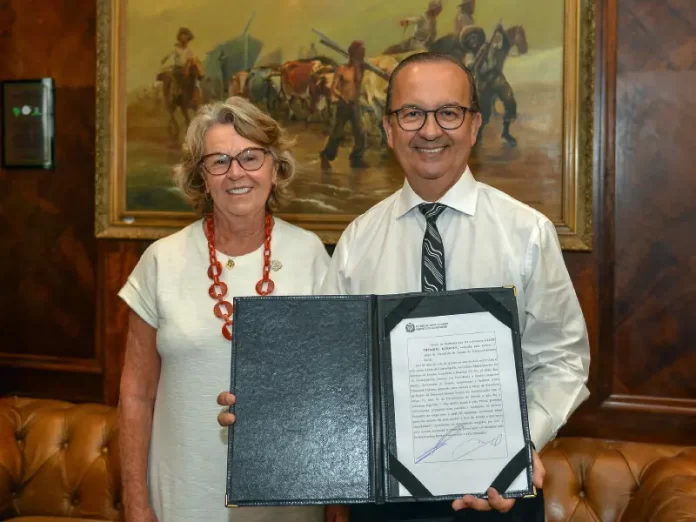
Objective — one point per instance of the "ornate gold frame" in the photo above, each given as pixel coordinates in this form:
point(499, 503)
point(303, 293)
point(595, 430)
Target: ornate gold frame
point(111, 221)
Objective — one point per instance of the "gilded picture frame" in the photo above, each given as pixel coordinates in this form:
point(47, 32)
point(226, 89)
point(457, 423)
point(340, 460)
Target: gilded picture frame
point(113, 218)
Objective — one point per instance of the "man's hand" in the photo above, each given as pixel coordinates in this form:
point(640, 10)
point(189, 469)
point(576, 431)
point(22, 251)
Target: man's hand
point(225, 418)
point(495, 500)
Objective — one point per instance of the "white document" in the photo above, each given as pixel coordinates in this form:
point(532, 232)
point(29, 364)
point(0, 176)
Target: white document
point(456, 402)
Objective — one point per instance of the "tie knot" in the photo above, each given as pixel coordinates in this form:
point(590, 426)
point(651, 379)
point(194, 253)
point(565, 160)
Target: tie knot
point(431, 211)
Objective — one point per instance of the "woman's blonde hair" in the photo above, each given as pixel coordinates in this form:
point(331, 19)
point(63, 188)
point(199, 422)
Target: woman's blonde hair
point(251, 123)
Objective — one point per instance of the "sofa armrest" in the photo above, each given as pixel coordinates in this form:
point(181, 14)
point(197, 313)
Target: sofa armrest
point(667, 492)
point(673, 501)
point(10, 459)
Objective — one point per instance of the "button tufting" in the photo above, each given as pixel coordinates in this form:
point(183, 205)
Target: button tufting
point(105, 450)
point(75, 500)
point(117, 505)
point(65, 445)
point(581, 494)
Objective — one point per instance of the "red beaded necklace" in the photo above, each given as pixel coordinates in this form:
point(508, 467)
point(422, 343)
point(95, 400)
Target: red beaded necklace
point(218, 290)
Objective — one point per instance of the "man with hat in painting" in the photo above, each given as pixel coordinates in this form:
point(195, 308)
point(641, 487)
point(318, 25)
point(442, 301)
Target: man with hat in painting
point(424, 33)
point(465, 15)
point(471, 40)
point(426, 29)
point(180, 56)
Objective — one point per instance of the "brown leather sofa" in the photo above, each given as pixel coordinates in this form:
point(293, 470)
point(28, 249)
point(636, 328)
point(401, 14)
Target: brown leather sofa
point(59, 463)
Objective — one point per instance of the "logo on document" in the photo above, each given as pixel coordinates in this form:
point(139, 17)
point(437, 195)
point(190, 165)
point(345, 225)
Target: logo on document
point(410, 328)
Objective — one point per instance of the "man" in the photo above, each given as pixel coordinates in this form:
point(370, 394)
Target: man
point(488, 238)
point(345, 89)
point(424, 33)
point(180, 57)
point(492, 83)
point(465, 15)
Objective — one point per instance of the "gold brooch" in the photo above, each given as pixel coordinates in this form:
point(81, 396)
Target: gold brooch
point(230, 263)
point(276, 265)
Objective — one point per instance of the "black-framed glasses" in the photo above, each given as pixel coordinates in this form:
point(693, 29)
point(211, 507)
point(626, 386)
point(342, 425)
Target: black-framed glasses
point(250, 159)
point(412, 118)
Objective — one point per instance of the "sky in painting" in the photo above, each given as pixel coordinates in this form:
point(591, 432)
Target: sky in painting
point(287, 24)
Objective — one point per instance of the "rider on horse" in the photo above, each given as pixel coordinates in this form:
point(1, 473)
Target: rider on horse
point(181, 56)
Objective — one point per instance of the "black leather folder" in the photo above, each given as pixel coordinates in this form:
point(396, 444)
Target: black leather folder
point(315, 410)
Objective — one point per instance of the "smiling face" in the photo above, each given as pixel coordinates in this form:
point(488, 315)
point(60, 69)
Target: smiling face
point(433, 159)
point(239, 192)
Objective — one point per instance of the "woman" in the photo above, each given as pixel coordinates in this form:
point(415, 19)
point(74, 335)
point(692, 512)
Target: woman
point(235, 171)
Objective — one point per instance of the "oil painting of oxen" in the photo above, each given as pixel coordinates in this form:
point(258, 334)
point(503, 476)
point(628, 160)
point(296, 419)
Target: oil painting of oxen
point(284, 55)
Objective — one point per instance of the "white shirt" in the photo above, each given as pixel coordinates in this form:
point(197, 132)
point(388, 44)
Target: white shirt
point(490, 239)
point(181, 55)
point(169, 289)
point(422, 30)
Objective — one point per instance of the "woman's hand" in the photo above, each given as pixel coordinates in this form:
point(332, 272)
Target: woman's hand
point(225, 418)
point(141, 515)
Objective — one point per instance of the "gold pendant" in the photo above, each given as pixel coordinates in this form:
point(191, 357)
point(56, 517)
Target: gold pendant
point(276, 265)
point(230, 263)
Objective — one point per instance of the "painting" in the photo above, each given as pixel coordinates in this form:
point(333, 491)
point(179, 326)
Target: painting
point(158, 61)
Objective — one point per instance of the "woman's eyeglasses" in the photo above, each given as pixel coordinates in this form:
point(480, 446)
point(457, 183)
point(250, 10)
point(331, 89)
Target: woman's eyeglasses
point(218, 164)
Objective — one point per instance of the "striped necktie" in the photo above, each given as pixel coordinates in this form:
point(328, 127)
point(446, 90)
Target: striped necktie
point(433, 263)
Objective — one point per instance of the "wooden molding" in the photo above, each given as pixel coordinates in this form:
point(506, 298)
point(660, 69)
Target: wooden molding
point(50, 363)
point(639, 403)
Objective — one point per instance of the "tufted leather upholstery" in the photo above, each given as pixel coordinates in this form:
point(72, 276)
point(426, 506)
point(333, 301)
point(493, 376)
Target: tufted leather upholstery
point(592, 479)
point(58, 460)
point(59, 463)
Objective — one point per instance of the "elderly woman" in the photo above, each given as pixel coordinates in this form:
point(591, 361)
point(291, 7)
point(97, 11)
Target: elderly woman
point(235, 171)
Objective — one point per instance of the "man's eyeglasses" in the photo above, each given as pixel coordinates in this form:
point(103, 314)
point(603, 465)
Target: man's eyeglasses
point(449, 117)
point(218, 164)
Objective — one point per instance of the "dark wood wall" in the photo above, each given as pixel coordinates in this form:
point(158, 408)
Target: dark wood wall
point(62, 328)
point(645, 315)
point(48, 254)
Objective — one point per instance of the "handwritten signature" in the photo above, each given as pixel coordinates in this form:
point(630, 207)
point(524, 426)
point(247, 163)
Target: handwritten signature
point(465, 448)
point(459, 453)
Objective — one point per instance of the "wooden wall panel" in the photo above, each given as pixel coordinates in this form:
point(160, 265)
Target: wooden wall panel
point(655, 217)
point(116, 261)
point(49, 381)
point(644, 360)
point(47, 270)
point(655, 233)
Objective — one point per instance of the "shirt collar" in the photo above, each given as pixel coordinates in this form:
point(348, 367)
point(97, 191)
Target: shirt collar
point(462, 196)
